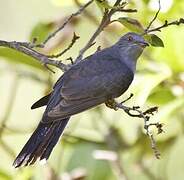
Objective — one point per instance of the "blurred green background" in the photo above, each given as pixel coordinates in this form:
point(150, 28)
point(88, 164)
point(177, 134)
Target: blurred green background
point(99, 144)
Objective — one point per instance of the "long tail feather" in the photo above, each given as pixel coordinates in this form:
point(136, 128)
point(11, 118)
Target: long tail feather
point(41, 143)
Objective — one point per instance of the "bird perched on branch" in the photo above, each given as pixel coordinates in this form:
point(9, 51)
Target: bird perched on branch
point(103, 76)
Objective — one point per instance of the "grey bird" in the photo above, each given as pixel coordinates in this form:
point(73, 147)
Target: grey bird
point(103, 76)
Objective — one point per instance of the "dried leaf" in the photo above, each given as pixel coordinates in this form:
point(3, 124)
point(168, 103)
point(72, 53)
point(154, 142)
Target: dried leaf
point(132, 24)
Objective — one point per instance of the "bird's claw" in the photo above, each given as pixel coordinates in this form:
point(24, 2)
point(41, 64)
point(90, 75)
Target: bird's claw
point(111, 103)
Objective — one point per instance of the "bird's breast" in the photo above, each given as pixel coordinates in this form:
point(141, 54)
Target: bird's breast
point(122, 82)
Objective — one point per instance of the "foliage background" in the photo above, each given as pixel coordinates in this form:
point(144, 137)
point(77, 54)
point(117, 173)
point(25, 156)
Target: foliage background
point(159, 81)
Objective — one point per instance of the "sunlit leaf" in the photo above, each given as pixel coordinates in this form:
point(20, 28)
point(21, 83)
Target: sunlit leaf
point(132, 24)
point(161, 95)
point(103, 4)
point(41, 31)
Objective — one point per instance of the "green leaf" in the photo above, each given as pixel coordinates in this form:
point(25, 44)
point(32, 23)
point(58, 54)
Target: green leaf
point(19, 58)
point(132, 24)
point(161, 95)
point(154, 40)
point(41, 31)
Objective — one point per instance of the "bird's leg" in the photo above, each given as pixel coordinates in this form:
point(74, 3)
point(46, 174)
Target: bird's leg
point(111, 103)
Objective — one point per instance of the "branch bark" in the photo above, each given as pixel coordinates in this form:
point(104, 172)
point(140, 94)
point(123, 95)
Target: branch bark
point(25, 49)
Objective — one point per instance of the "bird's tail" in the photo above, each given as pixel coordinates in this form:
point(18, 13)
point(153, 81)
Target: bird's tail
point(41, 143)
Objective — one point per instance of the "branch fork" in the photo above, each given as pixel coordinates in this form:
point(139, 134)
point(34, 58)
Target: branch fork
point(145, 115)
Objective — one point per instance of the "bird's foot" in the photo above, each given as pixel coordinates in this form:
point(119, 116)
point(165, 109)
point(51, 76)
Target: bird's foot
point(111, 103)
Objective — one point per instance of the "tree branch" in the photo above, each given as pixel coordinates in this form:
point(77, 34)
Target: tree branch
point(26, 49)
point(104, 22)
point(166, 24)
point(136, 112)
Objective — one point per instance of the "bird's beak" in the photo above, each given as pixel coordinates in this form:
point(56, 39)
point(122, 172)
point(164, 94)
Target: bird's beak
point(143, 44)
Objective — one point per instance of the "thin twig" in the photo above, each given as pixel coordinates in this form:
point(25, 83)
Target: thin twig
point(67, 20)
point(104, 22)
point(146, 117)
point(74, 39)
point(71, 60)
point(155, 17)
point(97, 32)
point(166, 24)
point(92, 18)
point(131, 95)
point(136, 112)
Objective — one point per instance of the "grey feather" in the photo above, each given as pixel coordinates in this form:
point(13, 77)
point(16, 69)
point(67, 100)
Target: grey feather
point(102, 76)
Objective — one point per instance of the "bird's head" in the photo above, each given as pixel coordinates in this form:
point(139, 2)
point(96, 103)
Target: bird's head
point(131, 45)
point(132, 40)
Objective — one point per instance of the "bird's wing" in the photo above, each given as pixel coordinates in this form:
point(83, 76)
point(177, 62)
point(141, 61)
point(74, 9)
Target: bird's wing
point(88, 84)
point(41, 102)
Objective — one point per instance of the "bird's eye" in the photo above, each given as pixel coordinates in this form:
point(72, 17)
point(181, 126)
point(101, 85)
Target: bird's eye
point(130, 38)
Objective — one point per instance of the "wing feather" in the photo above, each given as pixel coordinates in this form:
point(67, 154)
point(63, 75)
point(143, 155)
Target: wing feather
point(90, 83)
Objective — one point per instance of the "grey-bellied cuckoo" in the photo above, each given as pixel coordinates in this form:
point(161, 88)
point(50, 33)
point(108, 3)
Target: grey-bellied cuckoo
point(105, 75)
